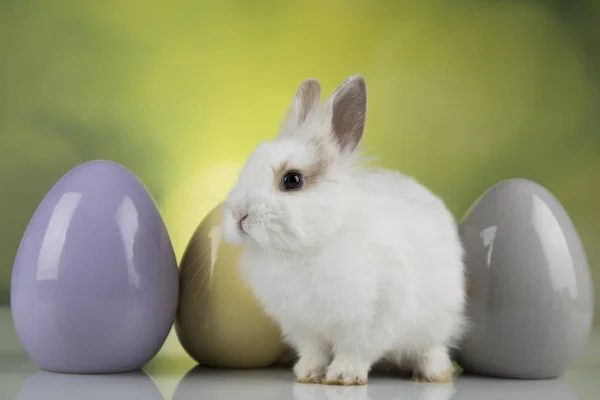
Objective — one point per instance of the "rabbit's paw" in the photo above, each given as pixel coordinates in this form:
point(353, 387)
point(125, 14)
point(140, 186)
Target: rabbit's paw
point(434, 366)
point(346, 374)
point(310, 370)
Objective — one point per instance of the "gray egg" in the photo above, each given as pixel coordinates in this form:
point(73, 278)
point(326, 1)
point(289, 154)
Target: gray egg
point(531, 300)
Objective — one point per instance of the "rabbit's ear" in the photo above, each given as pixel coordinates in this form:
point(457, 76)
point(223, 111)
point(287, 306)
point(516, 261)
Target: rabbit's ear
point(347, 109)
point(305, 100)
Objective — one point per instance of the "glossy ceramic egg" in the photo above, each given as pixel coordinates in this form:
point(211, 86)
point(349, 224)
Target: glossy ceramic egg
point(531, 300)
point(219, 321)
point(94, 285)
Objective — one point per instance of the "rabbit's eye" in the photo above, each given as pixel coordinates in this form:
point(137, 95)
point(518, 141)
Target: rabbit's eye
point(292, 180)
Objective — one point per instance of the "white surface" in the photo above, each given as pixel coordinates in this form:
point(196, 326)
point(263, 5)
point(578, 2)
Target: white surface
point(171, 375)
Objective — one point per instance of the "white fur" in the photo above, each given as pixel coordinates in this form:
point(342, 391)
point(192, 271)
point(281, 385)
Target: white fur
point(364, 264)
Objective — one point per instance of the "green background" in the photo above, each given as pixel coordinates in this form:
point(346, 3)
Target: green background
point(462, 94)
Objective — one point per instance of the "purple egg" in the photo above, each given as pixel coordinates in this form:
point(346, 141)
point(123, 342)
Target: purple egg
point(94, 286)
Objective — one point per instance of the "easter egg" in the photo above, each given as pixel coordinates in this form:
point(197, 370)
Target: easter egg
point(219, 321)
point(531, 300)
point(94, 284)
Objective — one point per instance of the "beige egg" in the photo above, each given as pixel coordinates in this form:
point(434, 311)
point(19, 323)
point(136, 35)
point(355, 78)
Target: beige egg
point(219, 321)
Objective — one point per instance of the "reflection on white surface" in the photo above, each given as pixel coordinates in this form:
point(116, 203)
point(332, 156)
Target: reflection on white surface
point(279, 384)
point(324, 392)
point(205, 383)
point(55, 235)
point(470, 388)
point(388, 389)
point(50, 386)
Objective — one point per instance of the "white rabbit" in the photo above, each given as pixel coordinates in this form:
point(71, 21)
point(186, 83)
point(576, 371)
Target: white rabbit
point(355, 264)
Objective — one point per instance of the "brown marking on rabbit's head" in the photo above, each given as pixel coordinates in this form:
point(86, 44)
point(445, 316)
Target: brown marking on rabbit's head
point(311, 173)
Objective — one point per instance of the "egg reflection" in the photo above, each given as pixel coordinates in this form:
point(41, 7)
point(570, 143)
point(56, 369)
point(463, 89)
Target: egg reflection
point(51, 386)
point(208, 383)
point(471, 388)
